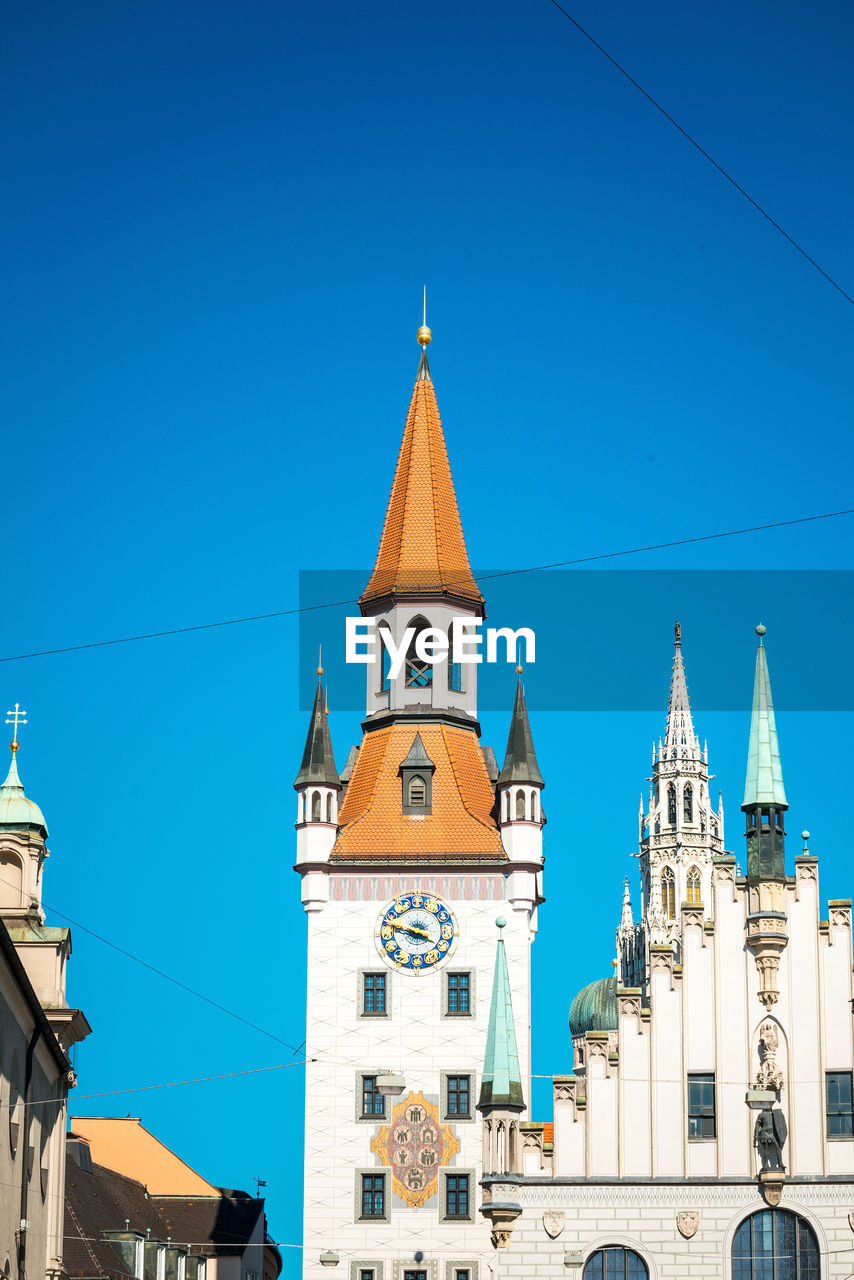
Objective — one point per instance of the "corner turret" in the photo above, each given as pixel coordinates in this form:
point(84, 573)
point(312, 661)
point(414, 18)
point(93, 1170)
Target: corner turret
point(317, 786)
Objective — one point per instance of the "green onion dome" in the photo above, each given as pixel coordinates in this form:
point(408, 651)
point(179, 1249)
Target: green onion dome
point(594, 1008)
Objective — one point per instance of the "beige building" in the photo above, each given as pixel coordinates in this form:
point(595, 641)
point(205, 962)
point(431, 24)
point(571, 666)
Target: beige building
point(37, 1029)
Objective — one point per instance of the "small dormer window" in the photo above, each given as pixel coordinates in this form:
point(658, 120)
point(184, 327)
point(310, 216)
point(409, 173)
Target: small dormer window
point(416, 777)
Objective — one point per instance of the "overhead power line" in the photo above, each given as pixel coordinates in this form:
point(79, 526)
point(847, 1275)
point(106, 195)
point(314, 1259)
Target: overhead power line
point(694, 143)
point(504, 573)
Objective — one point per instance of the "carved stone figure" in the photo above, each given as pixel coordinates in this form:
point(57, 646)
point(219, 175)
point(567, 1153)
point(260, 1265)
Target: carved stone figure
point(769, 1075)
point(769, 1137)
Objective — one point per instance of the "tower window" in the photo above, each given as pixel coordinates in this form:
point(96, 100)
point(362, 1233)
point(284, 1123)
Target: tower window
point(373, 1102)
point(457, 1195)
point(671, 805)
point(693, 886)
point(419, 674)
point(840, 1115)
point(315, 806)
point(520, 806)
point(373, 1195)
point(385, 662)
point(688, 804)
point(458, 1097)
point(417, 792)
point(458, 994)
point(374, 994)
point(668, 893)
point(455, 670)
point(702, 1122)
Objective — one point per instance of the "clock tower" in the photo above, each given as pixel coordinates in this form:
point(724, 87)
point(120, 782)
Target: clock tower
point(407, 858)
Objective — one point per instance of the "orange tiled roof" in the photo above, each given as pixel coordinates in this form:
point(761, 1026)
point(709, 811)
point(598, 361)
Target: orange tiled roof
point(422, 550)
point(549, 1132)
point(372, 822)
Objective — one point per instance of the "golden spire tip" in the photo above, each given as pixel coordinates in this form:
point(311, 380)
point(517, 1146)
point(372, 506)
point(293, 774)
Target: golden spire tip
point(424, 336)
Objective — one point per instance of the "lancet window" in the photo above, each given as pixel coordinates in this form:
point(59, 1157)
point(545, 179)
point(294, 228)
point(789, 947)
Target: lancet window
point(688, 804)
point(671, 805)
point(693, 886)
point(668, 893)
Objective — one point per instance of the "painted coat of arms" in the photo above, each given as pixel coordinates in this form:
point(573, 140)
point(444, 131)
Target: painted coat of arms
point(414, 1146)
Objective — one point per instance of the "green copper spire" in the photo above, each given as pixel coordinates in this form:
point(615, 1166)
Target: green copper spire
point(501, 1083)
point(764, 782)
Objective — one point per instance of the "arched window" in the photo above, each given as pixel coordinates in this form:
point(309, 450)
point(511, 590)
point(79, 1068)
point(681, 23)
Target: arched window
point(615, 1263)
point(419, 674)
point(775, 1245)
point(693, 886)
point(11, 880)
point(417, 797)
point(535, 807)
point(315, 806)
point(385, 661)
point(668, 893)
point(455, 669)
point(520, 805)
point(688, 804)
point(671, 805)
point(329, 807)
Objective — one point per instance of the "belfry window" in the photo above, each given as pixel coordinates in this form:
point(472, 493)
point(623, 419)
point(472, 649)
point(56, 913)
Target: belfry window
point(775, 1245)
point(671, 805)
point(688, 804)
point(693, 886)
point(385, 662)
point(455, 670)
point(668, 893)
point(419, 674)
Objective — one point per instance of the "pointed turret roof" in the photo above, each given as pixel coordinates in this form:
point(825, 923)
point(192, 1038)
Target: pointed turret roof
point(318, 760)
point(501, 1082)
point(520, 759)
point(422, 549)
point(679, 735)
point(417, 757)
point(764, 782)
point(627, 921)
point(15, 809)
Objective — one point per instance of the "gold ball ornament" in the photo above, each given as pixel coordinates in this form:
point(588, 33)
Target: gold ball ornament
point(424, 336)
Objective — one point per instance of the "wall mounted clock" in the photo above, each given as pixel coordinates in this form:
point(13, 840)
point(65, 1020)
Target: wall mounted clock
point(416, 932)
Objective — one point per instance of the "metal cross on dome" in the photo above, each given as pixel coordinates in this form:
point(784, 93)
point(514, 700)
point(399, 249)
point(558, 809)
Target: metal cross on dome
point(17, 717)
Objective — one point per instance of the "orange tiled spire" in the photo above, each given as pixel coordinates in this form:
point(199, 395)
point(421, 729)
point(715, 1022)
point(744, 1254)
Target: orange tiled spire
point(422, 549)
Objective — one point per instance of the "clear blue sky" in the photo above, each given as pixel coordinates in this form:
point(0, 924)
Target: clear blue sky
point(217, 221)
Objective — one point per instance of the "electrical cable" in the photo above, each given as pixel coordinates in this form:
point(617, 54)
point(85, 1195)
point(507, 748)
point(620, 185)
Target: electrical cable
point(704, 153)
point(504, 573)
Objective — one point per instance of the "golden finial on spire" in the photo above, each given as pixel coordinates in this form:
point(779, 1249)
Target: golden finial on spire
point(424, 335)
point(319, 660)
point(18, 717)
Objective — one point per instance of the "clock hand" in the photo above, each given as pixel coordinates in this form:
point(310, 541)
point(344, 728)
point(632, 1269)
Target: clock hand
point(418, 933)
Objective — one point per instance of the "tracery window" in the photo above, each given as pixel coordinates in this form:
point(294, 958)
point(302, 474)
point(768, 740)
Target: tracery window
point(775, 1245)
point(693, 886)
point(668, 893)
point(688, 804)
point(615, 1263)
point(671, 805)
point(419, 674)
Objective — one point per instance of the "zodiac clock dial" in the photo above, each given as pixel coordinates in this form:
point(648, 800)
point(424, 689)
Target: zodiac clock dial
point(416, 932)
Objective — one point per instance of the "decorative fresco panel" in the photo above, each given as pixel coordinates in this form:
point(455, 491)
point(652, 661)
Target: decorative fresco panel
point(414, 1146)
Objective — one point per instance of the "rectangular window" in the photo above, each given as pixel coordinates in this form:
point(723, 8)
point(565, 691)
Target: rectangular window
point(373, 1195)
point(366, 1274)
point(373, 1102)
point(373, 993)
point(415, 1275)
point(840, 1115)
point(701, 1105)
point(455, 676)
point(457, 1195)
point(459, 1096)
point(459, 992)
point(462, 1274)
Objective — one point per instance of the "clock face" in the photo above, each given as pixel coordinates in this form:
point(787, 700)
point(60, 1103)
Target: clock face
point(416, 932)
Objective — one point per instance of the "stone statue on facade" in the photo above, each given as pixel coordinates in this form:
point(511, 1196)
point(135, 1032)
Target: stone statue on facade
point(769, 1075)
point(769, 1137)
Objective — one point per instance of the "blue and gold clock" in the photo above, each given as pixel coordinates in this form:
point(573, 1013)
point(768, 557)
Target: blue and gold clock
point(416, 932)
